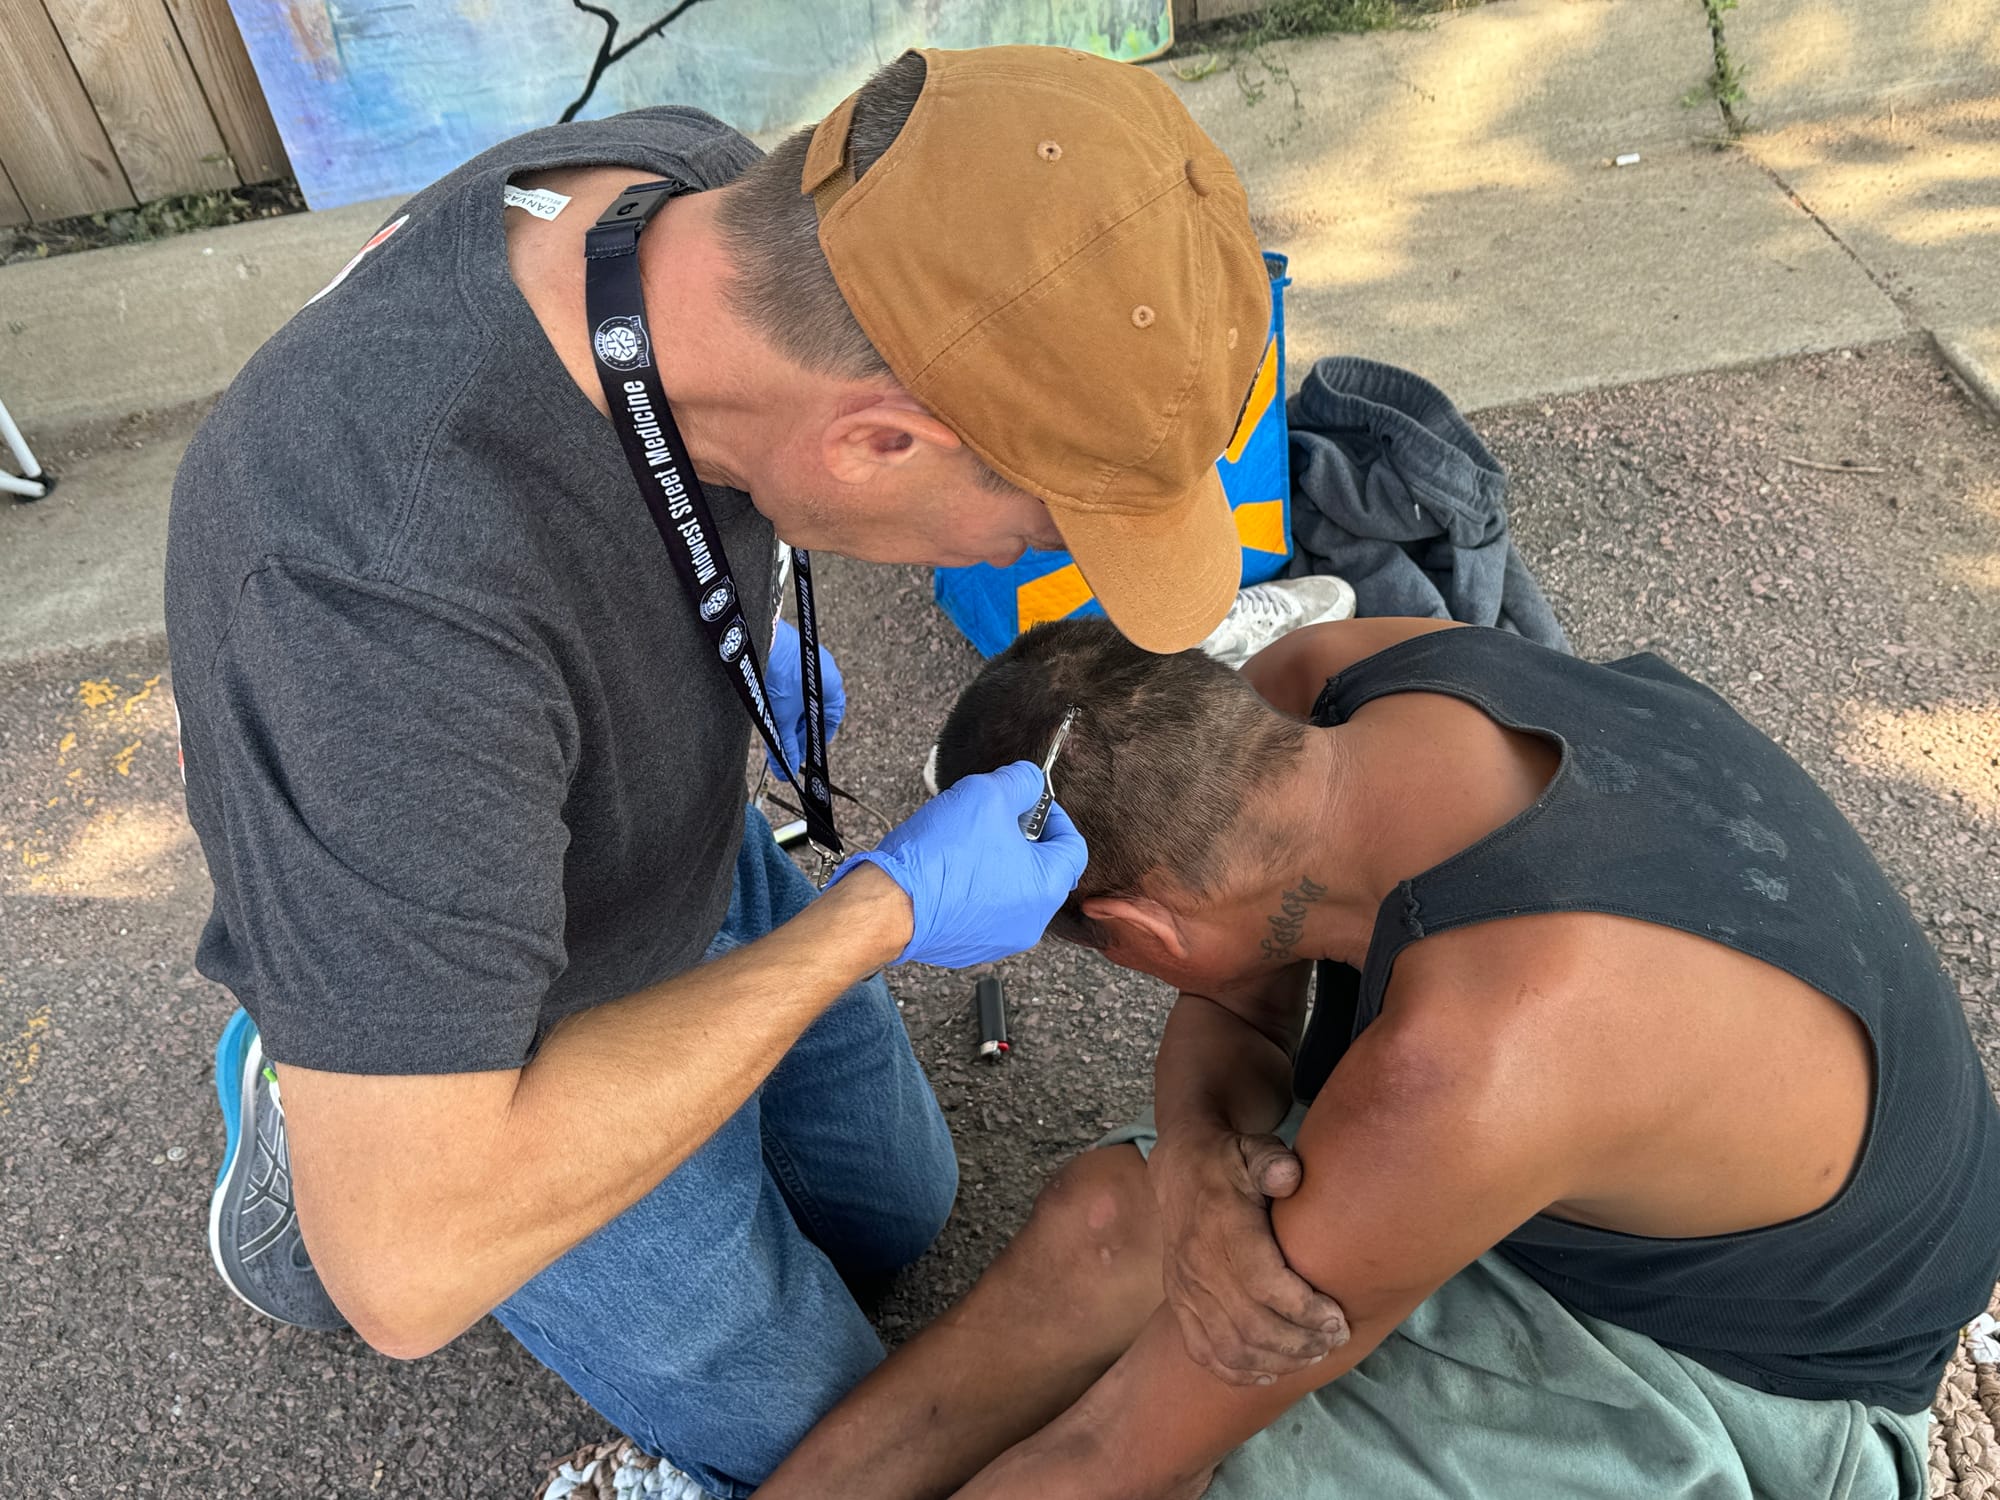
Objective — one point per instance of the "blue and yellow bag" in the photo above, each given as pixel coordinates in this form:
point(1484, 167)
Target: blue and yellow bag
point(993, 605)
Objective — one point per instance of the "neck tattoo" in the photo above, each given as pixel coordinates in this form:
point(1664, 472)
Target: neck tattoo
point(1288, 922)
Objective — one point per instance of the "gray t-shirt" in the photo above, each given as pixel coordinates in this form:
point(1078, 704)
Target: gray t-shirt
point(459, 755)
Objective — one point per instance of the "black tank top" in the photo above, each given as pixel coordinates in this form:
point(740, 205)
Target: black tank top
point(1668, 807)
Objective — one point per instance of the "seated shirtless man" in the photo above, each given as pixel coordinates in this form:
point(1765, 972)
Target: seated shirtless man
point(1647, 1151)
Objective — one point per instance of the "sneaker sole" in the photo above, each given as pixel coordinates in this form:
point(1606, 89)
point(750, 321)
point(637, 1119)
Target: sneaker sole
point(229, 1049)
point(228, 1181)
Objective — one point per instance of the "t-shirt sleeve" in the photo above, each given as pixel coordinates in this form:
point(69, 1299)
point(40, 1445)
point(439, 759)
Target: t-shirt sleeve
point(385, 775)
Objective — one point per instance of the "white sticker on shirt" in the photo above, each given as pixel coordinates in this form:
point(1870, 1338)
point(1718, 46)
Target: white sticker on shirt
point(380, 235)
point(540, 202)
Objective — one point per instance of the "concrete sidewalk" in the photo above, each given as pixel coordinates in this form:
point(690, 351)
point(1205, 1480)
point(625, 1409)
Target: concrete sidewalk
point(1447, 196)
point(139, 327)
point(1450, 202)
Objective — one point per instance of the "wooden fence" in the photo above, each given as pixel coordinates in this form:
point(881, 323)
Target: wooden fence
point(105, 104)
point(109, 103)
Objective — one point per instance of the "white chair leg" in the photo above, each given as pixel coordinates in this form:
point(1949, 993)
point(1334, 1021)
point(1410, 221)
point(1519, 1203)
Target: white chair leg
point(31, 484)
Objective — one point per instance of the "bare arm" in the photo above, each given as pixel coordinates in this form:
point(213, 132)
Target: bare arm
point(428, 1200)
point(1226, 1064)
point(1422, 1153)
point(1222, 1083)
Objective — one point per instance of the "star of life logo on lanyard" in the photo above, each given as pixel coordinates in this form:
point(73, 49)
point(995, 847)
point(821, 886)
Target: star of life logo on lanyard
point(622, 344)
point(658, 458)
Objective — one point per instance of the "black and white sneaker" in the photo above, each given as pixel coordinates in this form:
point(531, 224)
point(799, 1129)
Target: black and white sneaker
point(253, 1230)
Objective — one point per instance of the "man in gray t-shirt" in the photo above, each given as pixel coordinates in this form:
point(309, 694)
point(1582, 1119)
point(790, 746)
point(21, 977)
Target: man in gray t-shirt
point(560, 1034)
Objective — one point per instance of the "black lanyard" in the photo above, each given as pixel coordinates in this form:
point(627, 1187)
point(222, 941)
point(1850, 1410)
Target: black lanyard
point(653, 446)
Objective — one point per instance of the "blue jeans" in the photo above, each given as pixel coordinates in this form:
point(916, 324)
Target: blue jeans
point(710, 1321)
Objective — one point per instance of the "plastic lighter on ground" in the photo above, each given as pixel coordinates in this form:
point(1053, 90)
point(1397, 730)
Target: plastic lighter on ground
point(994, 605)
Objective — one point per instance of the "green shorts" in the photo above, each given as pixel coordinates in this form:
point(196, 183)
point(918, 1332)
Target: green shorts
point(1494, 1389)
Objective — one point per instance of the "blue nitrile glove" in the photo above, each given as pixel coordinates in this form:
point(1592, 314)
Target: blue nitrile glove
point(786, 691)
point(978, 889)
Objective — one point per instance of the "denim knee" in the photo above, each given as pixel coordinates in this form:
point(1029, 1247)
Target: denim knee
point(911, 1225)
point(701, 1321)
point(936, 1194)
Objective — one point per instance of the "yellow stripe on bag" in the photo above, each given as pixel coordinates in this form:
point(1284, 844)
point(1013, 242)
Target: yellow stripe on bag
point(1261, 526)
point(1262, 389)
point(1053, 596)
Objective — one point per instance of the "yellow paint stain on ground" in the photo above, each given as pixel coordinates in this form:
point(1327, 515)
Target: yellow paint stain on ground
point(145, 692)
point(20, 1057)
point(93, 734)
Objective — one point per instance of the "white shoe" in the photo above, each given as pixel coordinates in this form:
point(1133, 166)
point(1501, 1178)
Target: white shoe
point(1266, 611)
point(632, 1475)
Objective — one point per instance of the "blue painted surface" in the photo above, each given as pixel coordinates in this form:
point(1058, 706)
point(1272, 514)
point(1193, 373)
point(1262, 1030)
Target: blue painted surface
point(982, 600)
point(378, 97)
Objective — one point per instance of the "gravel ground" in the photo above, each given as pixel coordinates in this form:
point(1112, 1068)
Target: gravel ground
point(1855, 615)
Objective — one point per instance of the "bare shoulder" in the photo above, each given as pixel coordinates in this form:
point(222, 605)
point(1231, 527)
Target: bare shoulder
point(1550, 954)
point(1692, 1089)
point(1513, 983)
point(1443, 1128)
point(1291, 671)
point(1528, 1010)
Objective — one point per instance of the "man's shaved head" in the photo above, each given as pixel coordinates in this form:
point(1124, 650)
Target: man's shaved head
point(1159, 764)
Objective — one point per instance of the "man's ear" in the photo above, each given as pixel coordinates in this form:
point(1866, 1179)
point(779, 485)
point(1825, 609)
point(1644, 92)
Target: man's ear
point(877, 432)
point(1138, 925)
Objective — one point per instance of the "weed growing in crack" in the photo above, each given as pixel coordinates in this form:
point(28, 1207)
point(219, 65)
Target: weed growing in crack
point(1724, 83)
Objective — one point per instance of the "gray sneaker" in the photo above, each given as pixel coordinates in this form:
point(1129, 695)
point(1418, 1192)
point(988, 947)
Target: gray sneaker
point(253, 1230)
point(1265, 611)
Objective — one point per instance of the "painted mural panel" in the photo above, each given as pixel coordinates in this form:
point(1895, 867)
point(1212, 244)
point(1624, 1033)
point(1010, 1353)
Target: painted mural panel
point(376, 97)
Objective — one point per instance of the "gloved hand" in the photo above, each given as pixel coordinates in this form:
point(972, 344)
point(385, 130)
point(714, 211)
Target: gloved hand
point(978, 890)
point(786, 691)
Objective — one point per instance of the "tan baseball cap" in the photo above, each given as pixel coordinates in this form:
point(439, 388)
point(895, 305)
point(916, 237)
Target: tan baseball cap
point(1056, 261)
